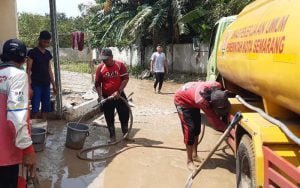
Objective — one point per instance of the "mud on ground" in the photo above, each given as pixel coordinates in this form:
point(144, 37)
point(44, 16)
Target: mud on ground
point(155, 123)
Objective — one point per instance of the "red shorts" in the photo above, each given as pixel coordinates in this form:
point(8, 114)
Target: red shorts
point(191, 123)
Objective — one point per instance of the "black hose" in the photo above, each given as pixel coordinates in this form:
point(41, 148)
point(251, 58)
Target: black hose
point(86, 150)
point(201, 133)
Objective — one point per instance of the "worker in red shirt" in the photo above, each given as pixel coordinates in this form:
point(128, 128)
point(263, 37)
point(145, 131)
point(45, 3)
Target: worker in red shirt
point(189, 100)
point(111, 79)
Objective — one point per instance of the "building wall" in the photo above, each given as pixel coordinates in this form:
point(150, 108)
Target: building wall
point(131, 56)
point(185, 59)
point(74, 55)
point(8, 20)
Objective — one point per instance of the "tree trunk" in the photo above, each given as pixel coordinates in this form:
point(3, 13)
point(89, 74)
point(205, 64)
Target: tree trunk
point(142, 48)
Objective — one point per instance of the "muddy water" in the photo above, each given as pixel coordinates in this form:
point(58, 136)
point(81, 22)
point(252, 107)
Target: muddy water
point(58, 166)
point(155, 123)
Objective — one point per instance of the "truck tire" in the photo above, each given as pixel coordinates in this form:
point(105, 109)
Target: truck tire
point(245, 164)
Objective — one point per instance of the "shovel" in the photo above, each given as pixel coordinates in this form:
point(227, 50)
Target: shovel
point(237, 117)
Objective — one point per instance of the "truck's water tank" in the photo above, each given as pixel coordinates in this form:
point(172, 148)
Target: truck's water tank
point(260, 51)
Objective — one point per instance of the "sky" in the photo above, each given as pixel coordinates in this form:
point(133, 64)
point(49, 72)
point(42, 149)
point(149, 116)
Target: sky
point(69, 7)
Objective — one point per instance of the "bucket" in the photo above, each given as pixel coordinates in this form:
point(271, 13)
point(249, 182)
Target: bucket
point(39, 123)
point(76, 135)
point(38, 136)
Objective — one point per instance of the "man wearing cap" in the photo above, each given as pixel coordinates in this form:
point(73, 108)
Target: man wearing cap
point(41, 75)
point(111, 79)
point(189, 100)
point(15, 140)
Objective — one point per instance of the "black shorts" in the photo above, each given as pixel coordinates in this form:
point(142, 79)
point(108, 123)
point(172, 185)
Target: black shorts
point(9, 176)
point(191, 123)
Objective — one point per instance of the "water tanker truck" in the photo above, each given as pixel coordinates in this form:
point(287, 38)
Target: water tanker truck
point(256, 55)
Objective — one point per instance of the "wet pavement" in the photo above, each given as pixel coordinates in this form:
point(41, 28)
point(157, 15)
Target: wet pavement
point(155, 124)
point(58, 166)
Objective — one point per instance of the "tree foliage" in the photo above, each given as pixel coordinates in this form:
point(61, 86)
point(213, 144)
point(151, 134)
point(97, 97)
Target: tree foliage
point(31, 24)
point(125, 22)
point(206, 13)
point(121, 23)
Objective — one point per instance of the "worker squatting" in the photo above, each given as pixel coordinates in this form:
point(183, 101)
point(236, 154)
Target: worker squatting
point(271, 45)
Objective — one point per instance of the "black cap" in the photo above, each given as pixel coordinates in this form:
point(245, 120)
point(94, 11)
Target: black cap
point(105, 54)
point(14, 50)
point(220, 103)
point(45, 35)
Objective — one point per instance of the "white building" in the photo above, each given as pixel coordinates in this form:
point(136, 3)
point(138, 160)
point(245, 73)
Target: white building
point(8, 20)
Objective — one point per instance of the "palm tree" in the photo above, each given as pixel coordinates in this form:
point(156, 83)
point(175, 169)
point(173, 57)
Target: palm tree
point(125, 22)
point(162, 15)
point(207, 12)
point(108, 22)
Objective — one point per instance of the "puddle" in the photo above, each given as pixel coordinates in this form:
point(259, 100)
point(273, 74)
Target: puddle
point(58, 166)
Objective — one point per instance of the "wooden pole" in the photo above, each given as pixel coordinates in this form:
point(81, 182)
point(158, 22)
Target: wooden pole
point(55, 43)
point(91, 62)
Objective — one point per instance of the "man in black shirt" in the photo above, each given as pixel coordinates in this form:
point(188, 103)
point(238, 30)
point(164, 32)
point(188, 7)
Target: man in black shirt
point(41, 75)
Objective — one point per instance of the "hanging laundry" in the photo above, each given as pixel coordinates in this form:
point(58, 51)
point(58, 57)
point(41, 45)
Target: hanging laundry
point(81, 41)
point(78, 40)
point(74, 41)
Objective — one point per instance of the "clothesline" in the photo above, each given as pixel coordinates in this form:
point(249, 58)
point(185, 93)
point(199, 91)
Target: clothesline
point(77, 39)
point(59, 34)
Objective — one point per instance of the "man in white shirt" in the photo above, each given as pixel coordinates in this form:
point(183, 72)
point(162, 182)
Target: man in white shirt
point(159, 65)
point(15, 140)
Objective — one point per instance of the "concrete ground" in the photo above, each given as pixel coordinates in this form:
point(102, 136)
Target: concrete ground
point(155, 124)
point(74, 86)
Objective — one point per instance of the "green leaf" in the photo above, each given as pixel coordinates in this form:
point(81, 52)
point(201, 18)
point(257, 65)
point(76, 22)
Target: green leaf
point(159, 20)
point(113, 25)
point(134, 25)
point(193, 15)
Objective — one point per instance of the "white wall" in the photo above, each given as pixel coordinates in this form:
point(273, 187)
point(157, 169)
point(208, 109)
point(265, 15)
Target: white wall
point(130, 56)
point(75, 55)
point(8, 21)
point(185, 58)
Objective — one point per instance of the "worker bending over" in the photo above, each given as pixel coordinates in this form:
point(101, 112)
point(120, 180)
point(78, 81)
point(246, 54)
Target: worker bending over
point(189, 100)
point(111, 79)
point(15, 140)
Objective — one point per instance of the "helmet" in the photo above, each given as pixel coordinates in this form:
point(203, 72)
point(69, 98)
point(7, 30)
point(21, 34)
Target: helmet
point(14, 50)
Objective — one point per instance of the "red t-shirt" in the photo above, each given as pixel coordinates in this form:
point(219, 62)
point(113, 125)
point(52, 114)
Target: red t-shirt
point(190, 96)
point(110, 78)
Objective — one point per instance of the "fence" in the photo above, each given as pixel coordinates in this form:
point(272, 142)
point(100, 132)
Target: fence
point(76, 61)
point(185, 59)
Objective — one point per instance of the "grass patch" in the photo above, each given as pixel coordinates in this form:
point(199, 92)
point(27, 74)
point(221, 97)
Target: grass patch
point(136, 70)
point(80, 67)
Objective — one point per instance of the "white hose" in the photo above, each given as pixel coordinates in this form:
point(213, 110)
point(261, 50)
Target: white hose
point(276, 122)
